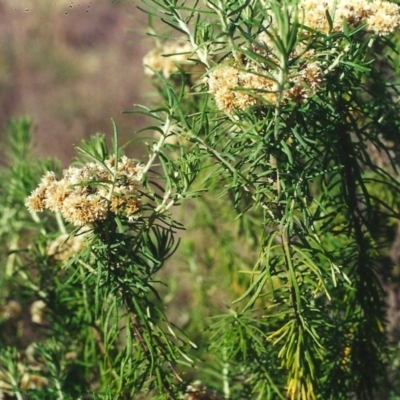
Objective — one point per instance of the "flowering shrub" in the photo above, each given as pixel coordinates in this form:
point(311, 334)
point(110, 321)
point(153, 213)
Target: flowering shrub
point(277, 139)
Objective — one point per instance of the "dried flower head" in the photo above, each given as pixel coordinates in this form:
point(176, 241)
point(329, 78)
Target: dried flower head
point(5, 382)
point(169, 58)
point(31, 378)
point(33, 381)
point(354, 12)
point(37, 199)
point(382, 17)
point(37, 310)
point(11, 310)
point(312, 13)
point(65, 246)
point(87, 194)
point(306, 81)
point(236, 88)
point(198, 391)
point(239, 89)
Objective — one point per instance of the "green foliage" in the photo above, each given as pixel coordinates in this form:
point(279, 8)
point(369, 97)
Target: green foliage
point(288, 188)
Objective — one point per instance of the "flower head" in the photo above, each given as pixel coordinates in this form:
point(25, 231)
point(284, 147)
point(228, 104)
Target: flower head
point(238, 89)
point(382, 17)
point(65, 246)
point(169, 58)
point(88, 194)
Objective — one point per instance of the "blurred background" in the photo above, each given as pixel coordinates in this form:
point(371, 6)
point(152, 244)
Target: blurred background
point(72, 66)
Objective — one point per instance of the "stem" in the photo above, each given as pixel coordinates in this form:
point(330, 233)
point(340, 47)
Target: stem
point(202, 54)
point(60, 223)
point(100, 344)
point(225, 376)
point(157, 147)
point(137, 332)
point(59, 390)
point(15, 388)
point(218, 156)
point(220, 10)
point(294, 289)
point(13, 245)
point(36, 218)
point(367, 335)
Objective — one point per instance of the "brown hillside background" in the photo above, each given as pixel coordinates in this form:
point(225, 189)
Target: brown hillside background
point(72, 66)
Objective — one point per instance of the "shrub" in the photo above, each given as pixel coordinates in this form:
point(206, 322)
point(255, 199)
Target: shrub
point(276, 134)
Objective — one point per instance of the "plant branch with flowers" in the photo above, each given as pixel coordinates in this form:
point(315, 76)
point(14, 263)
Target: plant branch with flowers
point(275, 124)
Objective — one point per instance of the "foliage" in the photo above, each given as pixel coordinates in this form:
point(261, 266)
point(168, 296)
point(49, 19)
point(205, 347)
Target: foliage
point(276, 136)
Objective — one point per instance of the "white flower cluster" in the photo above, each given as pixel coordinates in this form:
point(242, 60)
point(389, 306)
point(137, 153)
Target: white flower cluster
point(169, 58)
point(240, 86)
point(381, 17)
point(87, 194)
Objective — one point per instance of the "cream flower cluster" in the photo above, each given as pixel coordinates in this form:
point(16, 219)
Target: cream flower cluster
point(87, 194)
point(382, 17)
point(64, 246)
point(168, 58)
point(237, 88)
